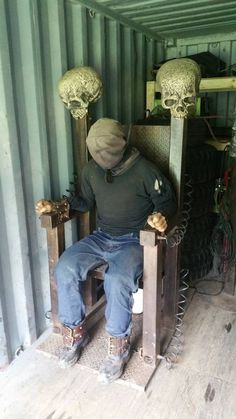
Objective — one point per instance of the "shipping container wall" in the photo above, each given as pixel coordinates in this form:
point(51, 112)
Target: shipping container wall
point(39, 41)
point(222, 46)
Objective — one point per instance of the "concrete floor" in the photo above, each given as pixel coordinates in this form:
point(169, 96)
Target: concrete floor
point(201, 385)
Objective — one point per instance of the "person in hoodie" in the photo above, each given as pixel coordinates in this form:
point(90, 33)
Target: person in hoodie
point(128, 192)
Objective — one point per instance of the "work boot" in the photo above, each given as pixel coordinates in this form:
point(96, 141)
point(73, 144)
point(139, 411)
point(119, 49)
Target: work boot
point(74, 340)
point(115, 362)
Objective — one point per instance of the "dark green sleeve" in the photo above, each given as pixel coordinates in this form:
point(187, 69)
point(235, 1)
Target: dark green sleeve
point(85, 200)
point(160, 192)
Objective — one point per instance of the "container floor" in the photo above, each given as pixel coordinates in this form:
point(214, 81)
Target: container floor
point(202, 384)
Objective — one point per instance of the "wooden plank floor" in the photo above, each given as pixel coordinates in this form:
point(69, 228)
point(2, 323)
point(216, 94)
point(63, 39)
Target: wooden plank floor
point(202, 385)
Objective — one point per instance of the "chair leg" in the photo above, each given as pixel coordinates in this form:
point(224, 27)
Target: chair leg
point(171, 287)
point(56, 245)
point(90, 291)
point(152, 288)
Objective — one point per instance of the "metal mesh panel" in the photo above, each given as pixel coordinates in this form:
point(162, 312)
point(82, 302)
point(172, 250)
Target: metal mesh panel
point(153, 142)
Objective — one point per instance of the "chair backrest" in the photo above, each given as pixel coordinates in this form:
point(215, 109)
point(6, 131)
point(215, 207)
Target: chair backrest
point(165, 146)
point(153, 142)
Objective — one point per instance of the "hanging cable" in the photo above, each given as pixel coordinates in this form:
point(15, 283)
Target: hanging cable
point(222, 241)
point(204, 281)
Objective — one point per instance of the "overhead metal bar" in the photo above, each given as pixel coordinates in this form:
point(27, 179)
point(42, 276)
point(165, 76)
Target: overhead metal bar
point(177, 33)
point(172, 8)
point(206, 20)
point(172, 18)
point(178, 15)
point(161, 5)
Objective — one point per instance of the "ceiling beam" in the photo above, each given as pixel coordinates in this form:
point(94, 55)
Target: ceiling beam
point(93, 5)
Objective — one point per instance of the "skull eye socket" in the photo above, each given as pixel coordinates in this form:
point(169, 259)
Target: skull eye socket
point(75, 103)
point(189, 100)
point(170, 102)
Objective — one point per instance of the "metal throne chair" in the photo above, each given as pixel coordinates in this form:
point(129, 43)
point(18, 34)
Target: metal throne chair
point(164, 146)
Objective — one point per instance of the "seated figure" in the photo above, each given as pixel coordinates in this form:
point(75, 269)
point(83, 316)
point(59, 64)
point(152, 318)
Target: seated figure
point(128, 192)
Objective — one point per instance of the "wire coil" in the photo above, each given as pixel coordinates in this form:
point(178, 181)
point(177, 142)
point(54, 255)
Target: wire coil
point(175, 347)
point(176, 238)
point(176, 344)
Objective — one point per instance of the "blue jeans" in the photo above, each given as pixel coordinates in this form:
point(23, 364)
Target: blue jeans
point(123, 256)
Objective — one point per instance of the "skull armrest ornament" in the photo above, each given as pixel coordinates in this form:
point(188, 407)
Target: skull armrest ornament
point(61, 208)
point(78, 88)
point(179, 81)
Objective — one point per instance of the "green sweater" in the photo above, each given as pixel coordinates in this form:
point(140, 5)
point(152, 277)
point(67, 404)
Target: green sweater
point(124, 205)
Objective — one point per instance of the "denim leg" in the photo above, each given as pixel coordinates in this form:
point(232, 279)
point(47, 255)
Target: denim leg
point(72, 268)
point(125, 261)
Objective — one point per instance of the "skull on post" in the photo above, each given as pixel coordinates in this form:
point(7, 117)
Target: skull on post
point(79, 87)
point(179, 81)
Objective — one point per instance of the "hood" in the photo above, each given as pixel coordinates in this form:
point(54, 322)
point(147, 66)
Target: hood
point(106, 142)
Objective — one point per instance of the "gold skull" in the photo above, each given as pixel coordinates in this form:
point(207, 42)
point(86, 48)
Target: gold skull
point(78, 88)
point(179, 81)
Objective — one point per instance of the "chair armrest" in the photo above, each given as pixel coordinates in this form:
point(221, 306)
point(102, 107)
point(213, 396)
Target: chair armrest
point(54, 219)
point(150, 236)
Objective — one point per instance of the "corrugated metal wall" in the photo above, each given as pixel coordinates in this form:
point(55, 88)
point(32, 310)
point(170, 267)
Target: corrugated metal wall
point(39, 41)
point(222, 46)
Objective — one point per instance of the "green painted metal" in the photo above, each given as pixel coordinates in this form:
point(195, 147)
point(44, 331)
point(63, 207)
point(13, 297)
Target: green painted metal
point(15, 281)
point(97, 6)
point(39, 41)
point(221, 104)
point(173, 18)
point(122, 56)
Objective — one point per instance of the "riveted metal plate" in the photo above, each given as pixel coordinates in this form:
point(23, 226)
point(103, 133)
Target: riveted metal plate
point(153, 142)
point(137, 373)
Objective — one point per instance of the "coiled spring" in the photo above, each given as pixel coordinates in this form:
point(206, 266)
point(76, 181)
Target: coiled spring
point(176, 344)
point(176, 238)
